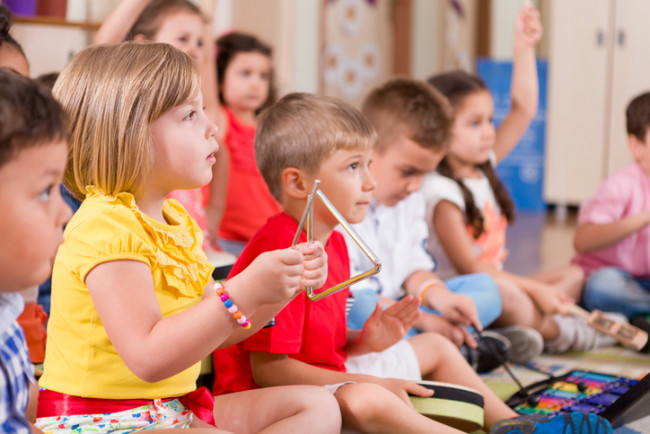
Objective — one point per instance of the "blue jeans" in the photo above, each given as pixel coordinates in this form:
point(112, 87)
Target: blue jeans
point(615, 290)
point(480, 287)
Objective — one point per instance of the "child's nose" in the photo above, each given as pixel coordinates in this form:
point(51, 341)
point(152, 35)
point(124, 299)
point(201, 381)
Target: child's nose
point(64, 214)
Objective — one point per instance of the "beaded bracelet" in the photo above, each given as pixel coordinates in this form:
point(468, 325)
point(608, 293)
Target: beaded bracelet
point(232, 307)
point(425, 287)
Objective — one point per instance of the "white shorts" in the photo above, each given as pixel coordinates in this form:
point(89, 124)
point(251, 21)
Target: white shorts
point(398, 361)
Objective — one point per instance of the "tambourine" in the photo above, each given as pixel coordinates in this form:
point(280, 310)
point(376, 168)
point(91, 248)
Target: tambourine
point(453, 405)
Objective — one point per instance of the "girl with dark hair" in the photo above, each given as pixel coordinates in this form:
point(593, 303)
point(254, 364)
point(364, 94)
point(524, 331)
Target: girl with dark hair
point(468, 208)
point(239, 200)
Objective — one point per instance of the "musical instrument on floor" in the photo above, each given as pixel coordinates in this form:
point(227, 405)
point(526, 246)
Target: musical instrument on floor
point(618, 399)
point(457, 406)
point(627, 334)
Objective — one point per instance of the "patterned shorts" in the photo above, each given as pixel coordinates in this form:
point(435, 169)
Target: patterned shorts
point(170, 414)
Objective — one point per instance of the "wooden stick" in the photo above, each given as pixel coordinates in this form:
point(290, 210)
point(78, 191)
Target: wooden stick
point(627, 334)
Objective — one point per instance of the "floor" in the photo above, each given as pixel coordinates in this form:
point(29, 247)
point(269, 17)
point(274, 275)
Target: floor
point(543, 241)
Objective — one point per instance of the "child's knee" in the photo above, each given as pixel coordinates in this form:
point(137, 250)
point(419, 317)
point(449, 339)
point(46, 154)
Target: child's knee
point(362, 401)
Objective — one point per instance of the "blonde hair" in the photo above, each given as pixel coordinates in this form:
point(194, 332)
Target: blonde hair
point(410, 108)
point(112, 94)
point(302, 130)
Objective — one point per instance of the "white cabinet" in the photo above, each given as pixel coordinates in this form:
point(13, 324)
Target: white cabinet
point(50, 43)
point(598, 61)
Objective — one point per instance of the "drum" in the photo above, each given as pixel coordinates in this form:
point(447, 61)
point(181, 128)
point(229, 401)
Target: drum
point(457, 406)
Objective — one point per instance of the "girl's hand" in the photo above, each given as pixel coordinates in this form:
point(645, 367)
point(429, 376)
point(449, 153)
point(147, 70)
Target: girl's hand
point(402, 388)
point(385, 328)
point(528, 27)
point(550, 300)
point(315, 264)
point(274, 276)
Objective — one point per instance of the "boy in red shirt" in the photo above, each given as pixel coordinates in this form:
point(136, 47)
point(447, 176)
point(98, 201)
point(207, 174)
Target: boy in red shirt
point(300, 139)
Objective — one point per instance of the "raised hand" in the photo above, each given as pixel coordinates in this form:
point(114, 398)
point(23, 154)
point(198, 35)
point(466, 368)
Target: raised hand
point(528, 26)
point(385, 328)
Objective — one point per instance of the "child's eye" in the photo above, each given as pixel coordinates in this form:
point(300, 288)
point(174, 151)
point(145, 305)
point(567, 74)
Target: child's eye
point(353, 166)
point(406, 172)
point(46, 194)
point(183, 39)
point(200, 43)
point(190, 116)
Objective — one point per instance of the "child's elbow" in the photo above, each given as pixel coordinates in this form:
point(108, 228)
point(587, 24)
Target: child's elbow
point(147, 370)
point(579, 245)
point(260, 377)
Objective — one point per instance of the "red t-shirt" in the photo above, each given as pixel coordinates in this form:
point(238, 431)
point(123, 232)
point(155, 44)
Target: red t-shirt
point(313, 332)
point(248, 200)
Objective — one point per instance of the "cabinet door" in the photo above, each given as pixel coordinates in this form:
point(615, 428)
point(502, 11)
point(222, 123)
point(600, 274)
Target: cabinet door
point(578, 92)
point(631, 73)
point(49, 48)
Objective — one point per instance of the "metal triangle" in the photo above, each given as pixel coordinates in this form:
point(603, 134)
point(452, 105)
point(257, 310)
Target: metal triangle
point(307, 221)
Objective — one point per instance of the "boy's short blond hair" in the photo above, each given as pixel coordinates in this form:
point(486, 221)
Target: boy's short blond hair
point(112, 94)
point(302, 130)
point(412, 109)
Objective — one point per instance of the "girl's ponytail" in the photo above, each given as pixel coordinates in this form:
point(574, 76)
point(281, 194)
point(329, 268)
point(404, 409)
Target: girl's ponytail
point(473, 215)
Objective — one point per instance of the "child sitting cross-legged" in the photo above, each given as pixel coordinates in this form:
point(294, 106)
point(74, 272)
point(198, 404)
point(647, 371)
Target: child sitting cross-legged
point(310, 343)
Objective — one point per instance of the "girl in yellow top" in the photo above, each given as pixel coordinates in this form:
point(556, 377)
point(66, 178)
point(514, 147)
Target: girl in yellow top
point(133, 313)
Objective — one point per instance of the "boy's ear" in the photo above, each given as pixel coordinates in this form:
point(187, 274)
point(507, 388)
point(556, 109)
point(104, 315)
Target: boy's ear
point(295, 183)
point(636, 146)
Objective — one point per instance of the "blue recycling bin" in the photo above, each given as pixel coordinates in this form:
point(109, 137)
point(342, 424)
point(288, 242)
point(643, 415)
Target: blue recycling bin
point(522, 171)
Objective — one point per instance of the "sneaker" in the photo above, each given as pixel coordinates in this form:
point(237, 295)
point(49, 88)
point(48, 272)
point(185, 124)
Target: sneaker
point(493, 349)
point(565, 423)
point(576, 334)
point(643, 322)
point(526, 342)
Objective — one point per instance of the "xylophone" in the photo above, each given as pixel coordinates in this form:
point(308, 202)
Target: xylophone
point(618, 399)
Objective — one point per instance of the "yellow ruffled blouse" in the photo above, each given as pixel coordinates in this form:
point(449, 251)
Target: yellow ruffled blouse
point(80, 359)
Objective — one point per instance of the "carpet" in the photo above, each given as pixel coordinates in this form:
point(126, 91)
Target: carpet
point(613, 360)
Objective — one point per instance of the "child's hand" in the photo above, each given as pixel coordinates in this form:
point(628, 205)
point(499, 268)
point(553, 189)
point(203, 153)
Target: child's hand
point(458, 308)
point(274, 276)
point(385, 328)
point(315, 264)
point(528, 26)
point(550, 300)
point(402, 388)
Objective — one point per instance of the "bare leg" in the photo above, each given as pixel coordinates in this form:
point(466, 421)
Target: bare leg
point(440, 360)
point(368, 407)
point(569, 280)
point(280, 409)
point(519, 309)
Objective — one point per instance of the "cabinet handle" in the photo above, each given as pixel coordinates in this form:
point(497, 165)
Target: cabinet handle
point(621, 38)
point(600, 38)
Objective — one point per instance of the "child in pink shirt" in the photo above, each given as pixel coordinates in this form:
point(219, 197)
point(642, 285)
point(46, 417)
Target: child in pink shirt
point(613, 237)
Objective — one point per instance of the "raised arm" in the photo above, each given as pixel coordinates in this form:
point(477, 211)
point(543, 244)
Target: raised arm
point(116, 27)
point(216, 204)
point(524, 87)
